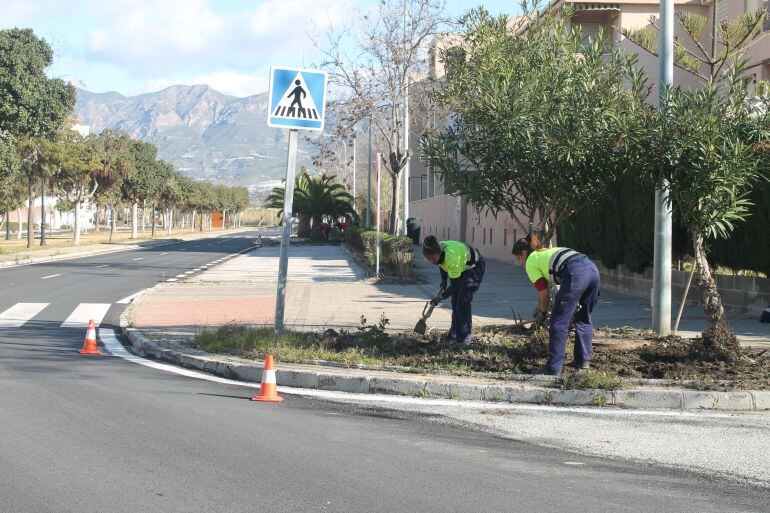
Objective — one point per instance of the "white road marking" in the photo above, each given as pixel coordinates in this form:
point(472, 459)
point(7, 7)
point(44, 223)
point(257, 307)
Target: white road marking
point(180, 275)
point(51, 276)
point(130, 298)
point(166, 253)
point(171, 279)
point(85, 312)
point(114, 347)
point(20, 313)
point(189, 272)
point(138, 258)
point(103, 265)
point(196, 270)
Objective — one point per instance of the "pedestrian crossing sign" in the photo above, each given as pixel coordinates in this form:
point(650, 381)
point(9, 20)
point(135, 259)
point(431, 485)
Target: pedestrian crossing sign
point(297, 99)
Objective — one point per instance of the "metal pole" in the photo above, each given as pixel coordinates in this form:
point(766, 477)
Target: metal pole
point(369, 179)
point(661, 284)
point(288, 200)
point(406, 124)
point(379, 209)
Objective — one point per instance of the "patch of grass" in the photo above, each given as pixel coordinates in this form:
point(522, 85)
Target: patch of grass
point(591, 380)
point(288, 347)
point(600, 400)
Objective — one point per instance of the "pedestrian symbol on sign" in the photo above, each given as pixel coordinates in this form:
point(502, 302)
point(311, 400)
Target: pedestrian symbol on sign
point(297, 98)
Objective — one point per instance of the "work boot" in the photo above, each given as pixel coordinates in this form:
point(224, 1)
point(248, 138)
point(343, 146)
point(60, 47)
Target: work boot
point(545, 370)
point(581, 366)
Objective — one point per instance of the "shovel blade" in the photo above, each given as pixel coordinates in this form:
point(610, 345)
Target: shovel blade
point(421, 327)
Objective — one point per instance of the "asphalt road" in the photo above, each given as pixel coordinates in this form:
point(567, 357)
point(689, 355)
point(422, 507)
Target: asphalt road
point(98, 434)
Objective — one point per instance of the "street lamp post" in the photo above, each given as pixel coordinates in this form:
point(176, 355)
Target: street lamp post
point(369, 178)
point(661, 283)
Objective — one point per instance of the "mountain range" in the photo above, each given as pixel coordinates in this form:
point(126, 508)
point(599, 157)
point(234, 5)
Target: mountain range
point(205, 134)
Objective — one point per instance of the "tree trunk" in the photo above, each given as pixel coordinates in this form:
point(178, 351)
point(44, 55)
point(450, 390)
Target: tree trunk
point(393, 219)
point(316, 233)
point(134, 218)
point(303, 226)
point(192, 222)
point(153, 222)
point(202, 218)
point(21, 224)
point(30, 214)
point(144, 214)
point(42, 212)
point(77, 222)
point(7, 223)
point(113, 221)
point(96, 218)
point(169, 220)
point(718, 339)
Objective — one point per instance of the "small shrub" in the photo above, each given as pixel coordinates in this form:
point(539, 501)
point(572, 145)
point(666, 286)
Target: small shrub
point(590, 380)
point(398, 253)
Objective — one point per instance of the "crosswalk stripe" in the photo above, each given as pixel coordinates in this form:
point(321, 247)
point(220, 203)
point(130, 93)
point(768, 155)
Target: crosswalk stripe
point(84, 313)
point(20, 313)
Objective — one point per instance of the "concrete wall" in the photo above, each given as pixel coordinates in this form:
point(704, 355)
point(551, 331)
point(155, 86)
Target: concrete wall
point(739, 293)
point(442, 216)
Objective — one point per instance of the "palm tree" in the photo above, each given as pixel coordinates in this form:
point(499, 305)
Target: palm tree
point(315, 197)
point(275, 200)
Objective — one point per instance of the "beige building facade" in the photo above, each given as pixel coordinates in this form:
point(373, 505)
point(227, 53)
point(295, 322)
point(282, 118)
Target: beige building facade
point(446, 215)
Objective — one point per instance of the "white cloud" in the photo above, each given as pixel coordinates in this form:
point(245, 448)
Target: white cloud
point(174, 36)
point(227, 82)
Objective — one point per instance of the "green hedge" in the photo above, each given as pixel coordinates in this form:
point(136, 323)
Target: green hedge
point(396, 252)
point(619, 230)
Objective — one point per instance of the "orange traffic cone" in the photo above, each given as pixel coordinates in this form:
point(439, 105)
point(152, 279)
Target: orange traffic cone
point(267, 392)
point(89, 346)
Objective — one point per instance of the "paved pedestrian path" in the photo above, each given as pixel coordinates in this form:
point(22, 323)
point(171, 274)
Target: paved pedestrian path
point(327, 289)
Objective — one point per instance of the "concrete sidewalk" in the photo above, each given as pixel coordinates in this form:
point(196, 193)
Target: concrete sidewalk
point(327, 289)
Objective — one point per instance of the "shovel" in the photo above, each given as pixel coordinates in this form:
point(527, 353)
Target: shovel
point(421, 327)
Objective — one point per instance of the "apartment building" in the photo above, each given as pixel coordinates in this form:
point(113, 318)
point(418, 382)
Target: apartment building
point(448, 216)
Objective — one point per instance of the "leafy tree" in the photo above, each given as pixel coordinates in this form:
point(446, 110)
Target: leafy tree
point(31, 104)
point(144, 182)
point(116, 165)
point(540, 116)
point(80, 160)
point(9, 168)
point(709, 147)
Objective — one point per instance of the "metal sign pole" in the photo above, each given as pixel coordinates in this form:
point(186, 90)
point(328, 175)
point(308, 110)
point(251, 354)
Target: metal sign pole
point(377, 251)
point(288, 200)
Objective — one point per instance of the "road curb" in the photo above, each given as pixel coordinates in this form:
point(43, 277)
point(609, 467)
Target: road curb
point(435, 387)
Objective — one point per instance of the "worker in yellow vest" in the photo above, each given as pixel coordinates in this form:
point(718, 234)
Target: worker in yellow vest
point(464, 267)
point(578, 280)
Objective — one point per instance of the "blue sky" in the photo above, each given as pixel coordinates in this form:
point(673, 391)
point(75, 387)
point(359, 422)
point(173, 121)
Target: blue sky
point(137, 46)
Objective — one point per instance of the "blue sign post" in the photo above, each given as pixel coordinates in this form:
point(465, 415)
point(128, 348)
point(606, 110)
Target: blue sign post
point(297, 101)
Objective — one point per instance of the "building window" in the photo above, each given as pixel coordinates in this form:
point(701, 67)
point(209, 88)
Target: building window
point(490, 236)
point(505, 237)
point(484, 230)
point(473, 234)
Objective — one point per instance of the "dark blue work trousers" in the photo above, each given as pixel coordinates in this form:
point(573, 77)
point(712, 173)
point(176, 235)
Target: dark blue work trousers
point(462, 296)
point(579, 286)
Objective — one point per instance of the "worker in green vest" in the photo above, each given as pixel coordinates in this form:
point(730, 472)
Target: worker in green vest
point(578, 280)
point(463, 267)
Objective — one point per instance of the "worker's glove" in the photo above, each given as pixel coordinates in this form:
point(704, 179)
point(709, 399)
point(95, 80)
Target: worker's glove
point(436, 300)
point(539, 317)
